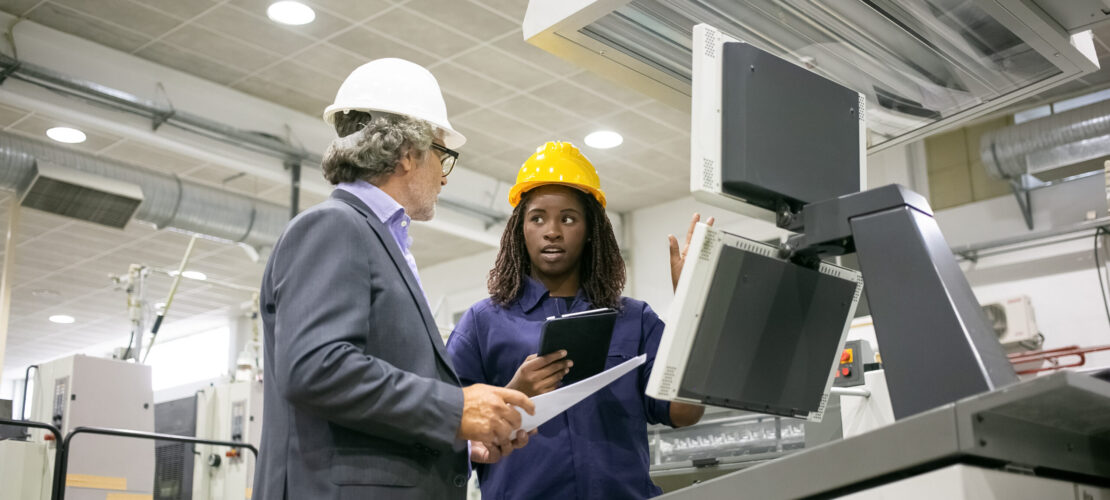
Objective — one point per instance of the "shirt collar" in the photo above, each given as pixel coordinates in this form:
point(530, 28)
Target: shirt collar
point(534, 292)
point(385, 208)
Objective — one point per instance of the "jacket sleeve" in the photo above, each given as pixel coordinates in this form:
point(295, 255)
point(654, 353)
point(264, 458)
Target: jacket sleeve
point(321, 282)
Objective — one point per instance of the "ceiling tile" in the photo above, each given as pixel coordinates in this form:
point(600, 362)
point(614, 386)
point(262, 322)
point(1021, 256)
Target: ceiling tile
point(135, 16)
point(10, 115)
point(669, 115)
point(354, 11)
point(190, 62)
point(517, 46)
point(183, 9)
point(464, 16)
point(644, 129)
point(510, 130)
point(454, 79)
point(311, 106)
point(150, 157)
point(261, 32)
point(538, 113)
point(512, 8)
point(320, 28)
point(373, 46)
point(516, 155)
point(491, 166)
point(84, 26)
point(330, 60)
point(608, 88)
point(497, 65)
point(220, 48)
point(35, 127)
point(574, 100)
point(481, 144)
point(678, 148)
point(305, 80)
point(457, 105)
point(418, 32)
point(17, 7)
point(663, 165)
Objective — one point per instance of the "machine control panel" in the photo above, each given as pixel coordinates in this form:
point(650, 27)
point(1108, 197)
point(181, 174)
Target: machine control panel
point(849, 372)
point(61, 392)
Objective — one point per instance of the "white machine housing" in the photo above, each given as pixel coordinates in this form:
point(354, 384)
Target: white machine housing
point(227, 412)
point(86, 391)
point(705, 127)
point(25, 469)
point(690, 300)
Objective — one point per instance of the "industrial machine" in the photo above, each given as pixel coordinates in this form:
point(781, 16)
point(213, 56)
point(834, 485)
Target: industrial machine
point(173, 461)
point(957, 411)
point(227, 412)
point(86, 391)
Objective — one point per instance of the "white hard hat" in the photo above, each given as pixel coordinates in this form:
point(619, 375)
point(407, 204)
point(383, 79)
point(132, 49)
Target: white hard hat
point(395, 86)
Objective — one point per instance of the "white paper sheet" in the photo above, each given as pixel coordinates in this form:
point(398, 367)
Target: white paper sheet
point(555, 402)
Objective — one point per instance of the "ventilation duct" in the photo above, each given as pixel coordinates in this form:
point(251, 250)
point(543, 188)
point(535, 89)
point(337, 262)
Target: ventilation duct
point(75, 194)
point(1045, 143)
point(168, 201)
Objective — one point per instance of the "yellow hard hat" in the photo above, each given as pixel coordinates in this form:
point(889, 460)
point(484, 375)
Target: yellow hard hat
point(557, 163)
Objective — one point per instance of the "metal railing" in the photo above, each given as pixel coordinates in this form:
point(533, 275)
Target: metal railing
point(60, 470)
point(61, 452)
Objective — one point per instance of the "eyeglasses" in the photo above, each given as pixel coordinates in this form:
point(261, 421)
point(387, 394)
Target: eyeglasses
point(448, 159)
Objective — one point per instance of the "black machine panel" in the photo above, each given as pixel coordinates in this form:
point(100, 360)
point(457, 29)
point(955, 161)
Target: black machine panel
point(788, 135)
point(768, 336)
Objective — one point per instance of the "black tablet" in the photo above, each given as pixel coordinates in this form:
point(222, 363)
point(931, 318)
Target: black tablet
point(585, 336)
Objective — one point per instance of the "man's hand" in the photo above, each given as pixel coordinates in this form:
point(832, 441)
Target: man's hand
point(541, 374)
point(679, 257)
point(488, 413)
point(483, 453)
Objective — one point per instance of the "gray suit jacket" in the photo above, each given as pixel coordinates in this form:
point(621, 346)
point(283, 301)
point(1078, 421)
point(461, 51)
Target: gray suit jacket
point(360, 398)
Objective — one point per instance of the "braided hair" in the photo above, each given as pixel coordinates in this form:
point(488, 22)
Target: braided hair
point(601, 270)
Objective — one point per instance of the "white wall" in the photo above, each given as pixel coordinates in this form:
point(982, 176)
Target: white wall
point(1060, 278)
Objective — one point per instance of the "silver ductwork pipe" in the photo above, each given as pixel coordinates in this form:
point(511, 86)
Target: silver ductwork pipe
point(1061, 139)
point(168, 200)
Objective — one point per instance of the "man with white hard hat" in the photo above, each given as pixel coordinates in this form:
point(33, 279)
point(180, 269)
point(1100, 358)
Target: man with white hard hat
point(361, 400)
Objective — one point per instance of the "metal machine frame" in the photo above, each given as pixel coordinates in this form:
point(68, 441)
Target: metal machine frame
point(1053, 426)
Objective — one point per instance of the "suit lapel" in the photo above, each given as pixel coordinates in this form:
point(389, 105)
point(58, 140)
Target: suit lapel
point(398, 259)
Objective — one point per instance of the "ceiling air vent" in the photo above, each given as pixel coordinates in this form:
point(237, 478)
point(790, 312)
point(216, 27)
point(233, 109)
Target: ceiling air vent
point(82, 195)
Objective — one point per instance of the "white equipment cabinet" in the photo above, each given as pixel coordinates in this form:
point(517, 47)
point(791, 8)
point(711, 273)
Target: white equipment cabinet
point(227, 412)
point(86, 391)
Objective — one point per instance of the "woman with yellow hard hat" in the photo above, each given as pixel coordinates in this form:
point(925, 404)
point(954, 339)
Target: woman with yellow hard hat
point(559, 255)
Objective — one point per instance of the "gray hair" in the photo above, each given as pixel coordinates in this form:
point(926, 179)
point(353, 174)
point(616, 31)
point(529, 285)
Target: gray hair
point(370, 147)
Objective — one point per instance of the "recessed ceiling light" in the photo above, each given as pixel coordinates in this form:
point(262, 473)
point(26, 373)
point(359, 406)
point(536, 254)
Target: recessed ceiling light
point(67, 135)
point(604, 139)
point(62, 318)
point(290, 12)
point(193, 275)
